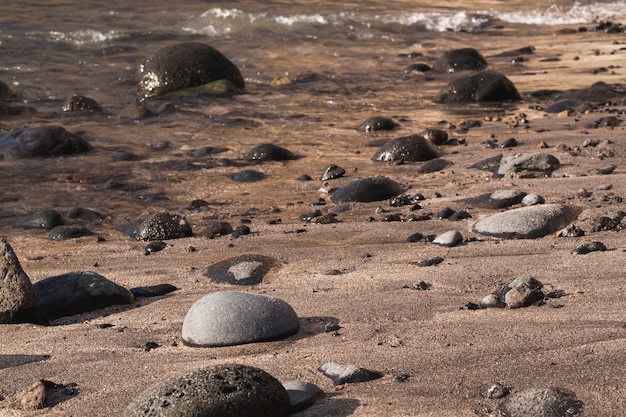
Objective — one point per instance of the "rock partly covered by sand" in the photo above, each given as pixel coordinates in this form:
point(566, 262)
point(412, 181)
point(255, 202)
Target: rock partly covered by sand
point(540, 402)
point(228, 390)
point(240, 270)
point(17, 296)
point(232, 318)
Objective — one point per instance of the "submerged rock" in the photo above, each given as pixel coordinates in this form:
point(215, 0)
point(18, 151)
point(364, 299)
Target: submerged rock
point(408, 148)
point(377, 123)
point(460, 59)
point(42, 142)
point(241, 270)
point(366, 190)
point(17, 295)
point(228, 390)
point(185, 65)
point(486, 86)
point(80, 103)
point(44, 219)
point(269, 152)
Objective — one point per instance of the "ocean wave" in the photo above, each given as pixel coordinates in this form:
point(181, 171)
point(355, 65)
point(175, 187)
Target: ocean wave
point(81, 37)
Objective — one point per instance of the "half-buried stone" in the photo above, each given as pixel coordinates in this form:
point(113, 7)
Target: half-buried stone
point(185, 65)
point(233, 318)
point(41, 143)
point(527, 222)
point(17, 296)
point(75, 293)
point(269, 152)
point(541, 402)
point(241, 270)
point(227, 390)
point(366, 190)
point(163, 226)
point(411, 148)
point(486, 86)
point(528, 161)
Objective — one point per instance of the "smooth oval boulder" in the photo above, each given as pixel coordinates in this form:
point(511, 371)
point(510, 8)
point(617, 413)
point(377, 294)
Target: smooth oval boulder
point(42, 143)
point(487, 86)
point(527, 222)
point(541, 402)
point(366, 190)
point(411, 148)
point(460, 59)
point(233, 318)
point(227, 390)
point(17, 295)
point(269, 152)
point(163, 226)
point(75, 293)
point(185, 65)
point(43, 219)
point(240, 270)
point(528, 161)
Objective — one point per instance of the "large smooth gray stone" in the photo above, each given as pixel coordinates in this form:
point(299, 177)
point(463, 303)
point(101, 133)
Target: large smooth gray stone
point(232, 318)
point(17, 296)
point(527, 222)
point(228, 390)
point(528, 161)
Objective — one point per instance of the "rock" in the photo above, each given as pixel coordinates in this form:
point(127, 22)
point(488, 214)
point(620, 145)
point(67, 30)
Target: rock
point(541, 402)
point(216, 229)
point(331, 172)
point(17, 296)
point(44, 219)
point(69, 232)
point(532, 199)
point(507, 198)
point(43, 142)
point(232, 318)
point(528, 161)
point(163, 226)
point(589, 247)
point(377, 123)
point(302, 394)
point(6, 92)
point(527, 222)
point(486, 86)
point(406, 149)
point(185, 65)
point(153, 290)
point(269, 152)
point(433, 165)
point(494, 391)
point(460, 59)
point(436, 136)
point(449, 239)
point(491, 301)
point(154, 246)
point(342, 374)
point(241, 270)
point(228, 390)
point(80, 103)
point(31, 398)
point(367, 190)
point(248, 175)
point(84, 214)
point(522, 292)
point(75, 293)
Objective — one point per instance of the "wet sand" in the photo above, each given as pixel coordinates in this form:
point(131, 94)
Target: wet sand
point(450, 353)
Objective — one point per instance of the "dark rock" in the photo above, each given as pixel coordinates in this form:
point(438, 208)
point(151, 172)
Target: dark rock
point(418, 67)
point(248, 175)
point(241, 270)
point(185, 65)
point(17, 296)
point(44, 219)
point(233, 318)
point(80, 103)
point(444, 213)
point(42, 142)
point(486, 86)
point(228, 390)
point(216, 229)
point(498, 199)
point(153, 290)
point(460, 59)
point(541, 402)
point(408, 148)
point(302, 394)
point(367, 190)
point(491, 164)
point(433, 165)
point(5, 91)
point(332, 171)
point(342, 374)
point(239, 231)
point(509, 143)
point(562, 106)
point(606, 170)
point(307, 217)
point(526, 50)
point(415, 237)
point(84, 214)
point(75, 293)
point(163, 226)
point(269, 152)
point(435, 260)
point(69, 232)
point(436, 136)
point(377, 123)
point(154, 246)
point(459, 215)
point(589, 247)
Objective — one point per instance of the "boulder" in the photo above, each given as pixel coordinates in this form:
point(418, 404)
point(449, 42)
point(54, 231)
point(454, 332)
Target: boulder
point(17, 296)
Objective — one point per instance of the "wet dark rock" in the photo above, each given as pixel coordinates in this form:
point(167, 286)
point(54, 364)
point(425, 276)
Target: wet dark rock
point(526, 50)
point(185, 65)
point(460, 59)
point(449, 239)
point(561, 106)
point(302, 394)
point(528, 161)
point(527, 222)
point(154, 246)
point(75, 293)
point(241, 270)
point(436, 136)
point(486, 86)
point(227, 390)
point(332, 171)
point(217, 229)
point(342, 374)
point(80, 103)
point(44, 219)
point(541, 402)
point(69, 232)
point(377, 123)
point(444, 213)
point(163, 226)
point(153, 290)
point(233, 318)
point(406, 149)
point(433, 165)
point(269, 152)
point(459, 215)
point(418, 67)
point(509, 143)
point(248, 175)
point(5, 91)
point(307, 217)
point(17, 296)
point(88, 215)
point(43, 142)
point(239, 231)
point(367, 190)
point(589, 247)
point(415, 237)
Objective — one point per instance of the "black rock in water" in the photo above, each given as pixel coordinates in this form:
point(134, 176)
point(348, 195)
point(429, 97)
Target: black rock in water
point(248, 175)
point(486, 86)
point(163, 226)
point(241, 270)
point(377, 123)
point(44, 219)
point(217, 229)
point(460, 59)
point(80, 103)
point(43, 142)
point(367, 190)
point(153, 290)
point(185, 65)
point(269, 152)
point(69, 232)
point(407, 148)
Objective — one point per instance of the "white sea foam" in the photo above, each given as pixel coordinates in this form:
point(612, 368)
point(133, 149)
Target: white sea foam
point(577, 13)
point(81, 37)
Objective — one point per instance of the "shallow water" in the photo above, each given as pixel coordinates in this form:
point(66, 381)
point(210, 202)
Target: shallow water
point(336, 65)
